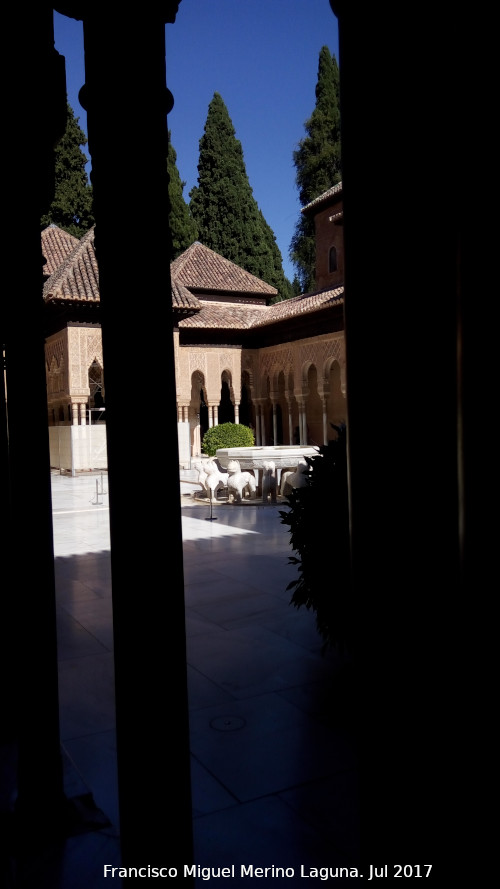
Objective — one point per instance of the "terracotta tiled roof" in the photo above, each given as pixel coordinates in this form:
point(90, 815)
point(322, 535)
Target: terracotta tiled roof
point(77, 279)
point(301, 305)
point(200, 268)
point(77, 276)
point(182, 298)
point(56, 246)
point(323, 198)
point(224, 316)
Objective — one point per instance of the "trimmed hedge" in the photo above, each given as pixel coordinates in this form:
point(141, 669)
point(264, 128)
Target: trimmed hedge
point(227, 435)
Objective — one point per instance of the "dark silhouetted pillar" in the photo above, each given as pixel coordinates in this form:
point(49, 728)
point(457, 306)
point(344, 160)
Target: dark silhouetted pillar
point(33, 111)
point(401, 79)
point(127, 102)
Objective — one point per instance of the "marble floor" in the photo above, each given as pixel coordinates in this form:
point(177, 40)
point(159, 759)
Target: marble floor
point(274, 769)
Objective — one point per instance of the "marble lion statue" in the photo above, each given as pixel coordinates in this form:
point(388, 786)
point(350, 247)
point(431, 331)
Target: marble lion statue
point(210, 477)
point(269, 481)
point(296, 478)
point(240, 483)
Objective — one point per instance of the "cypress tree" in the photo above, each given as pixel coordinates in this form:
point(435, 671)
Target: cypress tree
point(317, 163)
point(71, 208)
point(296, 290)
point(225, 211)
point(182, 226)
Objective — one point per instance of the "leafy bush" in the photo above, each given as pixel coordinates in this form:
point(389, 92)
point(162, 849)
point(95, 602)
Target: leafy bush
point(318, 517)
point(227, 435)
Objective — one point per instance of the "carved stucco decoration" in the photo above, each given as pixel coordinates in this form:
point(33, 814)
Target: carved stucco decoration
point(197, 361)
point(293, 360)
point(55, 350)
point(230, 363)
point(56, 366)
point(248, 371)
point(211, 362)
point(85, 347)
point(192, 362)
point(321, 353)
point(56, 378)
point(273, 362)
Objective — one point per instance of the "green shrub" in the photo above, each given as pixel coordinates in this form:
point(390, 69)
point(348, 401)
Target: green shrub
point(318, 517)
point(227, 435)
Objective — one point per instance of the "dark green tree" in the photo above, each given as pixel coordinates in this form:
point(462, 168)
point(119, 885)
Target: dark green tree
point(182, 225)
point(71, 207)
point(225, 211)
point(296, 286)
point(317, 163)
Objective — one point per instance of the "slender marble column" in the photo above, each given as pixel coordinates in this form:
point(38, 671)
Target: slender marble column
point(196, 441)
point(325, 422)
point(258, 439)
point(302, 424)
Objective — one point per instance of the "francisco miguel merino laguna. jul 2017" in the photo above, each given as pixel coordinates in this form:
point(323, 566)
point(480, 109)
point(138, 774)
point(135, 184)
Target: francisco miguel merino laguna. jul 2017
point(274, 871)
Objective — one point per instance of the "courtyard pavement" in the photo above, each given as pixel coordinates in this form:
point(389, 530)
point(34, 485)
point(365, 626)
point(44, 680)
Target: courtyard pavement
point(272, 747)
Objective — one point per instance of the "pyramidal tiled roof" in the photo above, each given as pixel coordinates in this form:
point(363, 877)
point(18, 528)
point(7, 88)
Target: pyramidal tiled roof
point(78, 276)
point(200, 268)
point(323, 198)
point(56, 246)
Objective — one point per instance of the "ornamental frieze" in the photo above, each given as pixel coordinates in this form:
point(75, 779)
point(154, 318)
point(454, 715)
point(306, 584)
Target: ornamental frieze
point(55, 350)
point(197, 360)
point(229, 359)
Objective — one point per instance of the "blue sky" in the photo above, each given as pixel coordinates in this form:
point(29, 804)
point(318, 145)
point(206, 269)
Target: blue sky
point(262, 57)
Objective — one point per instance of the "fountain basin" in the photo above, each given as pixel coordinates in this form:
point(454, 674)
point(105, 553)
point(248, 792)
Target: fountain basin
point(283, 456)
